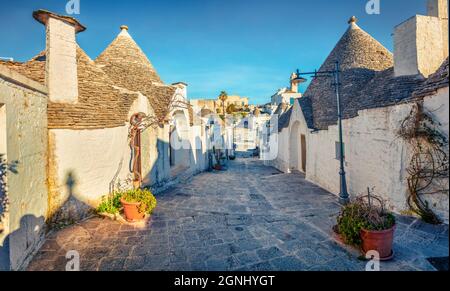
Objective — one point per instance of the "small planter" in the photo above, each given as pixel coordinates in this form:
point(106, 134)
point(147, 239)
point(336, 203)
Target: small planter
point(131, 210)
point(380, 241)
point(218, 167)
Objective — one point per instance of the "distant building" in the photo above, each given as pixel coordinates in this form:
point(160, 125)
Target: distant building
point(287, 95)
point(215, 105)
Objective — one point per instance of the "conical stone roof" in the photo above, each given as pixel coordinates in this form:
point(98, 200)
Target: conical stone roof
point(124, 60)
point(99, 105)
point(127, 65)
point(360, 57)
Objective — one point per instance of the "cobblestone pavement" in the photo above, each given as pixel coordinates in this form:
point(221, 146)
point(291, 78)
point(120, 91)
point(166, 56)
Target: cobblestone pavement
point(250, 217)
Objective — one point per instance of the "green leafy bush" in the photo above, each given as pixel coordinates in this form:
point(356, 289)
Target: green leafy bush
point(362, 214)
point(112, 204)
point(143, 196)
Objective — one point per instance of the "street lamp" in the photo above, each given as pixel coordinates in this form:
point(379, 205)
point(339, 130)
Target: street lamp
point(343, 194)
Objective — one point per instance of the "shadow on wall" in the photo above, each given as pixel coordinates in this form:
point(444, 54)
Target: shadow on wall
point(162, 171)
point(19, 246)
point(158, 173)
point(72, 209)
point(199, 161)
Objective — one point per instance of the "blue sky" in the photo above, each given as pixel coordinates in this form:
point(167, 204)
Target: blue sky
point(246, 47)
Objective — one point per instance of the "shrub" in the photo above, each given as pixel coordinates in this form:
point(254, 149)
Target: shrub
point(143, 196)
point(362, 214)
point(112, 204)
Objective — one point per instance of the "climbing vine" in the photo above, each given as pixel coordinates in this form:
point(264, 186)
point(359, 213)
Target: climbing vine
point(429, 164)
point(140, 122)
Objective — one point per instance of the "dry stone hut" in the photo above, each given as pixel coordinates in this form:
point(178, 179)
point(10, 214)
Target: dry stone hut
point(79, 142)
point(378, 94)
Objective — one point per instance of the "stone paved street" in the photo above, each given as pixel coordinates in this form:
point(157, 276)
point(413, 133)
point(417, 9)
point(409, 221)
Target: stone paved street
point(250, 217)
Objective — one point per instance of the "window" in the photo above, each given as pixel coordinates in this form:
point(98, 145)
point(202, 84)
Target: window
point(338, 150)
point(246, 124)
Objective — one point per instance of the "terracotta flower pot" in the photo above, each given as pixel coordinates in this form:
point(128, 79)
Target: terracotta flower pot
point(131, 210)
point(380, 241)
point(217, 167)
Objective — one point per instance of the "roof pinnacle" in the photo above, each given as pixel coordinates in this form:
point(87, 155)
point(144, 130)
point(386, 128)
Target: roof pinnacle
point(352, 20)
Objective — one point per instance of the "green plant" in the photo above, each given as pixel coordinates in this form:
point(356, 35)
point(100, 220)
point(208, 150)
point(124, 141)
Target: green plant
point(143, 196)
point(363, 214)
point(112, 204)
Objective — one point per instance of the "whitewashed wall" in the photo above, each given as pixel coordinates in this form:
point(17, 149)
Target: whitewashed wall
point(23, 106)
point(375, 155)
point(283, 160)
point(92, 158)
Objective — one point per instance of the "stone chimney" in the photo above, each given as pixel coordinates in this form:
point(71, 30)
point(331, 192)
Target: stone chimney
point(421, 42)
point(439, 9)
point(182, 88)
point(61, 55)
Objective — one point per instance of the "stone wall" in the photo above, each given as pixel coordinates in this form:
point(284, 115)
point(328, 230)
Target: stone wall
point(375, 156)
point(24, 106)
point(83, 164)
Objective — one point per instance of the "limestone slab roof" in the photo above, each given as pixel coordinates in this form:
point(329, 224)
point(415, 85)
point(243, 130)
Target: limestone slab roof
point(367, 80)
point(284, 119)
point(128, 67)
point(33, 69)
point(434, 82)
point(100, 104)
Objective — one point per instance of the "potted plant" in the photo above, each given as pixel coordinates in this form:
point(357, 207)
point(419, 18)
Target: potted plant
point(366, 223)
point(136, 204)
